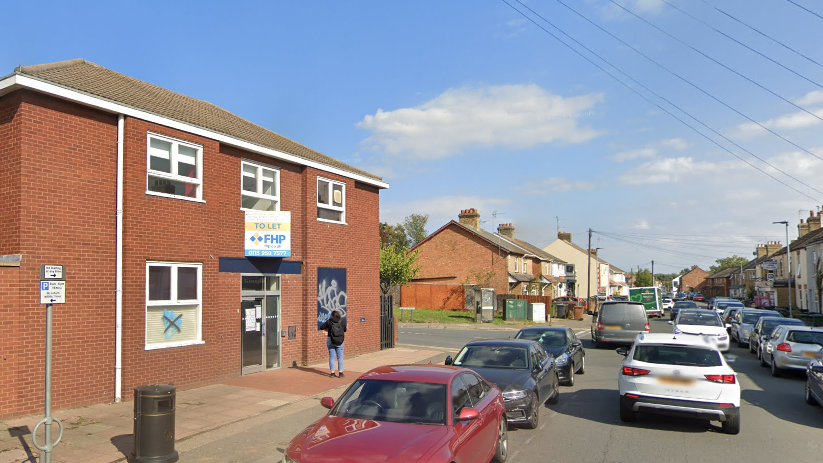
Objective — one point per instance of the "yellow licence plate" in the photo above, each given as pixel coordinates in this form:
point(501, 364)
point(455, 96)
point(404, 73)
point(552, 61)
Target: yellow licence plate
point(674, 380)
point(614, 327)
point(810, 354)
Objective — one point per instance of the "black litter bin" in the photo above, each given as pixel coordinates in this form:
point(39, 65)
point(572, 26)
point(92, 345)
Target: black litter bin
point(154, 407)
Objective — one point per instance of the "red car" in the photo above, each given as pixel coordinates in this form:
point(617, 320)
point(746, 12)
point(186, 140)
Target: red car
point(699, 298)
point(409, 413)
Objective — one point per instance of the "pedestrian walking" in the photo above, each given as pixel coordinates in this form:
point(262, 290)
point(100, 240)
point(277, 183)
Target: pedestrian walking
point(335, 326)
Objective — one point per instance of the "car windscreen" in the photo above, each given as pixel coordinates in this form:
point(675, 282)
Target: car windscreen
point(726, 305)
point(617, 314)
point(394, 401)
point(806, 337)
point(769, 325)
point(549, 338)
point(752, 317)
point(493, 357)
point(696, 318)
point(685, 305)
point(677, 355)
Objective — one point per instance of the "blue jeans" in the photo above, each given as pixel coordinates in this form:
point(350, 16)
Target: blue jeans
point(335, 351)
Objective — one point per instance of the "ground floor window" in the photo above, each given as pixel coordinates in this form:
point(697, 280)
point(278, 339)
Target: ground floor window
point(173, 304)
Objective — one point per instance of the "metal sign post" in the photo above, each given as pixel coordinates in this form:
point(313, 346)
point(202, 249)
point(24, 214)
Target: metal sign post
point(52, 291)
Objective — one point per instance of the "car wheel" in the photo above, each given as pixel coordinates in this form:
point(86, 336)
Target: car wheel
point(740, 343)
point(534, 419)
point(502, 450)
point(732, 425)
point(751, 348)
point(570, 380)
point(582, 369)
point(776, 371)
point(627, 415)
point(556, 396)
point(809, 397)
point(763, 360)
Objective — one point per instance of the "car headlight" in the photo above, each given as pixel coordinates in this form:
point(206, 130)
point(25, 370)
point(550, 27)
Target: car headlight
point(561, 359)
point(288, 459)
point(514, 395)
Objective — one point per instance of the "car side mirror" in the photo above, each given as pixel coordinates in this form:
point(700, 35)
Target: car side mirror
point(449, 360)
point(577, 343)
point(327, 402)
point(624, 351)
point(468, 414)
point(817, 368)
point(670, 322)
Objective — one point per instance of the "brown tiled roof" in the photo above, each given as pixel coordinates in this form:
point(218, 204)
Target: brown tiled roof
point(536, 251)
point(89, 78)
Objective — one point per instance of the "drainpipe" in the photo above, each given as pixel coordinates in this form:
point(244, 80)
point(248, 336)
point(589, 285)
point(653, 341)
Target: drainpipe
point(118, 285)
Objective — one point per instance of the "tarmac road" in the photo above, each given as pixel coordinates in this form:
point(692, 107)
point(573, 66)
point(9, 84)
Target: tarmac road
point(777, 425)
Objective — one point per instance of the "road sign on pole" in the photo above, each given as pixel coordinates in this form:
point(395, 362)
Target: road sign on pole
point(53, 292)
point(52, 272)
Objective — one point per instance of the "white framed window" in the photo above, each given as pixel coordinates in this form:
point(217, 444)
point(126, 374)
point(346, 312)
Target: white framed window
point(259, 187)
point(525, 289)
point(331, 200)
point(174, 294)
point(525, 266)
point(175, 168)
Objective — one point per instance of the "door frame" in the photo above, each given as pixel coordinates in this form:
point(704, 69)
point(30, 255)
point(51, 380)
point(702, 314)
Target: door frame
point(261, 294)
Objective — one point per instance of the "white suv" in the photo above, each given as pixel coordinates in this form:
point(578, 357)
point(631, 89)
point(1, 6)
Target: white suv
point(678, 375)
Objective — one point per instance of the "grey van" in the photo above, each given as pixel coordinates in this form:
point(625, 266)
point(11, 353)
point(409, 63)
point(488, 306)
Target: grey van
point(619, 322)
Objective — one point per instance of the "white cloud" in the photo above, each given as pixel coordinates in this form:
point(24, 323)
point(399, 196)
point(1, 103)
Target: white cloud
point(812, 98)
point(670, 170)
point(643, 224)
point(793, 121)
point(516, 27)
point(650, 151)
point(553, 184)
point(611, 11)
point(441, 209)
point(507, 116)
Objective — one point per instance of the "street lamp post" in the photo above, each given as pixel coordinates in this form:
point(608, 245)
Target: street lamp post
point(789, 257)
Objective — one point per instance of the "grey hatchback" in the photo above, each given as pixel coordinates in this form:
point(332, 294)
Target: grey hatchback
point(619, 322)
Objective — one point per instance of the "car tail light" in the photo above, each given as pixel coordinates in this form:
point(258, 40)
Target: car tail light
point(632, 396)
point(600, 326)
point(726, 405)
point(784, 347)
point(647, 328)
point(722, 379)
point(629, 371)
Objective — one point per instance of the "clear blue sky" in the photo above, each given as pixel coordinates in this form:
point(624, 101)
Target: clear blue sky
point(464, 104)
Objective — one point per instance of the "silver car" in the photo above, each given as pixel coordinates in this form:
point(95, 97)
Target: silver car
point(763, 330)
point(743, 323)
point(792, 347)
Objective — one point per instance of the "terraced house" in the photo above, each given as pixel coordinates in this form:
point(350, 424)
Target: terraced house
point(142, 194)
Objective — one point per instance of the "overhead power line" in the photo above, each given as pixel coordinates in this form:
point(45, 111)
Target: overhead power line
point(656, 248)
point(716, 61)
point(804, 8)
point(734, 18)
point(740, 43)
point(654, 93)
point(700, 89)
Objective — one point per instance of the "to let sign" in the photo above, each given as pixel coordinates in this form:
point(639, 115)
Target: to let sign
point(52, 292)
point(268, 234)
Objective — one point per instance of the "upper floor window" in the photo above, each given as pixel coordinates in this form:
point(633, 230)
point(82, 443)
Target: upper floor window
point(331, 200)
point(260, 187)
point(175, 167)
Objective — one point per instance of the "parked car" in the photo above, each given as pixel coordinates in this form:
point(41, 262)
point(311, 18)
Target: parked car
point(728, 316)
point(620, 298)
point(563, 345)
point(681, 376)
point(668, 304)
point(814, 383)
point(702, 323)
point(763, 330)
point(518, 367)
point(721, 306)
point(619, 322)
point(409, 413)
point(792, 347)
point(743, 322)
point(681, 305)
point(699, 298)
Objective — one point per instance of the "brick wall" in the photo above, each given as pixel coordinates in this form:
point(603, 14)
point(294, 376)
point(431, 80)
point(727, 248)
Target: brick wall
point(458, 253)
point(694, 280)
point(67, 216)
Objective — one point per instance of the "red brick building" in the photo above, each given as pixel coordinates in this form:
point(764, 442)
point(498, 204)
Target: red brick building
point(693, 280)
point(141, 193)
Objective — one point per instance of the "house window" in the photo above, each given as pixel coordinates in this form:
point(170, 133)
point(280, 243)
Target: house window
point(173, 304)
point(331, 200)
point(525, 267)
point(175, 167)
point(525, 289)
point(260, 187)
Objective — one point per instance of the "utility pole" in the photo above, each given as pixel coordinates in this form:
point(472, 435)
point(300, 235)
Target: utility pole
point(653, 285)
point(589, 273)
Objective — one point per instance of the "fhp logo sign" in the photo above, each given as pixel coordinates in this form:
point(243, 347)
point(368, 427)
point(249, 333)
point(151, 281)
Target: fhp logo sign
point(268, 234)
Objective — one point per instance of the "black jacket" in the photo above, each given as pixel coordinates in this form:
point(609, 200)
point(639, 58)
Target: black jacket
point(328, 324)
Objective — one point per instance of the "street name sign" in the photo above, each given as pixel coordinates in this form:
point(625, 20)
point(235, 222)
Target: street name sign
point(52, 292)
point(770, 265)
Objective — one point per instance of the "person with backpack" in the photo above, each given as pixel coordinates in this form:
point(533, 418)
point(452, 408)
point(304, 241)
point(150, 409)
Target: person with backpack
point(336, 328)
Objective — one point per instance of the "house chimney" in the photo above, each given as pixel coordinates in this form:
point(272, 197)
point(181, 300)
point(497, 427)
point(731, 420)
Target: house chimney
point(813, 221)
point(470, 217)
point(803, 228)
point(772, 247)
point(565, 236)
point(761, 251)
point(506, 230)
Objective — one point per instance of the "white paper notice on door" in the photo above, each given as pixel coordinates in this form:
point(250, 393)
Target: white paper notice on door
point(251, 321)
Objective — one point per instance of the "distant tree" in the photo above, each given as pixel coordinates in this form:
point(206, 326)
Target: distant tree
point(643, 278)
point(393, 235)
point(726, 262)
point(397, 266)
point(414, 227)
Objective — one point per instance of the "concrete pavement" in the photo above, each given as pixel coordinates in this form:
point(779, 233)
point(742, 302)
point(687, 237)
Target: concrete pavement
point(102, 433)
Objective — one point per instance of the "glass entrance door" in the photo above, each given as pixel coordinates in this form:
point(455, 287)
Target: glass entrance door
point(251, 324)
point(272, 331)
